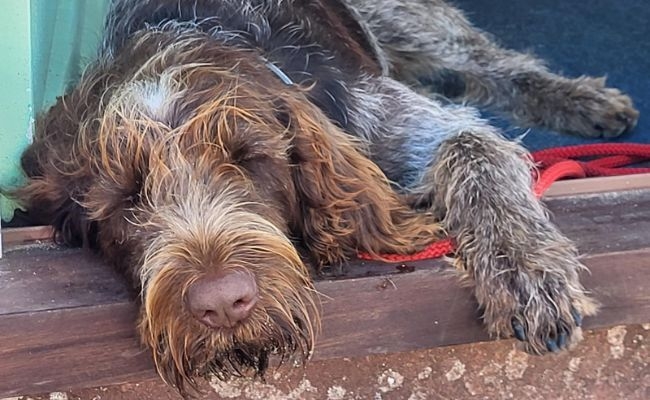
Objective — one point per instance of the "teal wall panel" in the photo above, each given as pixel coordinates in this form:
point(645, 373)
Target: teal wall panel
point(45, 45)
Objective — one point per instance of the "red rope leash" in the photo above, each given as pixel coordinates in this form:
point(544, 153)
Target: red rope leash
point(606, 159)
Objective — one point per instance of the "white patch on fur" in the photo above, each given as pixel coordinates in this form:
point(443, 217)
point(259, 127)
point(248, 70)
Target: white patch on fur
point(151, 98)
point(154, 97)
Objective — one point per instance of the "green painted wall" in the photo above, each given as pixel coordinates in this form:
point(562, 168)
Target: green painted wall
point(44, 44)
point(16, 93)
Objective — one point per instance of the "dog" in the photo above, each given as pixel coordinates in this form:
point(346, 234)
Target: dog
point(217, 148)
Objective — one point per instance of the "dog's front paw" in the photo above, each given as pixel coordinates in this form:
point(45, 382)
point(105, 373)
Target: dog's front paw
point(593, 110)
point(539, 301)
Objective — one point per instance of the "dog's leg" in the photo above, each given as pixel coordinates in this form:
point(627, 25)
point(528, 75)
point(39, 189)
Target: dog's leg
point(429, 41)
point(523, 270)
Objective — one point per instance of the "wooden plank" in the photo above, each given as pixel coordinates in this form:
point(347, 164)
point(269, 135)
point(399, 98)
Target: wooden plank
point(596, 185)
point(45, 277)
point(598, 224)
point(96, 345)
point(12, 237)
point(585, 218)
point(67, 348)
point(607, 222)
point(427, 309)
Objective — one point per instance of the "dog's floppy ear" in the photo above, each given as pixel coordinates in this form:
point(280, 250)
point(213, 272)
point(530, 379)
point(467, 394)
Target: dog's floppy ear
point(346, 203)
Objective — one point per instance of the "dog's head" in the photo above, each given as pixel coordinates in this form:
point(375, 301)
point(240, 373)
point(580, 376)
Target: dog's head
point(212, 151)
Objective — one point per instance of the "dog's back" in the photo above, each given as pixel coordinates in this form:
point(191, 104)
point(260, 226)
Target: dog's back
point(320, 43)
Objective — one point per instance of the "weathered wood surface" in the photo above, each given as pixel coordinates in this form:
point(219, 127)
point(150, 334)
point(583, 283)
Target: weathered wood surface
point(67, 320)
point(17, 236)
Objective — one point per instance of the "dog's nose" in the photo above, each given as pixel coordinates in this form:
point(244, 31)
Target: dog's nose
point(224, 300)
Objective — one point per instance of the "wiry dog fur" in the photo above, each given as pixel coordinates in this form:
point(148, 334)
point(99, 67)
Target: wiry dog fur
point(218, 135)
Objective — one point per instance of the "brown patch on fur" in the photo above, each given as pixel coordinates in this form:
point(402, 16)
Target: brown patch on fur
point(347, 203)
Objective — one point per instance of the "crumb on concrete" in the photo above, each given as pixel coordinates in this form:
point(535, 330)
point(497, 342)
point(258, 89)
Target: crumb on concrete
point(615, 337)
point(456, 372)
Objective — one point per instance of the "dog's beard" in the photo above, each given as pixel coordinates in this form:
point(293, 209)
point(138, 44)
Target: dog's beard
point(284, 340)
point(184, 350)
point(282, 325)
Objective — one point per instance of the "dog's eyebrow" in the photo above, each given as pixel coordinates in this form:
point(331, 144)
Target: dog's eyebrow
point(280, 74)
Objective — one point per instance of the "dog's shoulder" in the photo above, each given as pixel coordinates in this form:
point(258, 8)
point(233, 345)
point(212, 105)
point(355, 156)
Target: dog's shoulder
point(343, 29)
point(321, 44)
point(269, 25)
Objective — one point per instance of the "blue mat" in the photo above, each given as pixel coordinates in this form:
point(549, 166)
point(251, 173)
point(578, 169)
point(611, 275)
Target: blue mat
point(597, 37)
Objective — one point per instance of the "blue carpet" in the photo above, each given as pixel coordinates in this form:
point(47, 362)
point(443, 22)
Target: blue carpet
point(597, 37)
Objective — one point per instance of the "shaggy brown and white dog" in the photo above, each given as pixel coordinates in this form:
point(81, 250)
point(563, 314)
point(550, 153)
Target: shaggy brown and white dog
point(212, 138)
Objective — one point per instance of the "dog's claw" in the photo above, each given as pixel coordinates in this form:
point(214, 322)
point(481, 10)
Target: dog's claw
point(518, 330)
point(552, 346)
point(562, 340)
point(577, 317)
